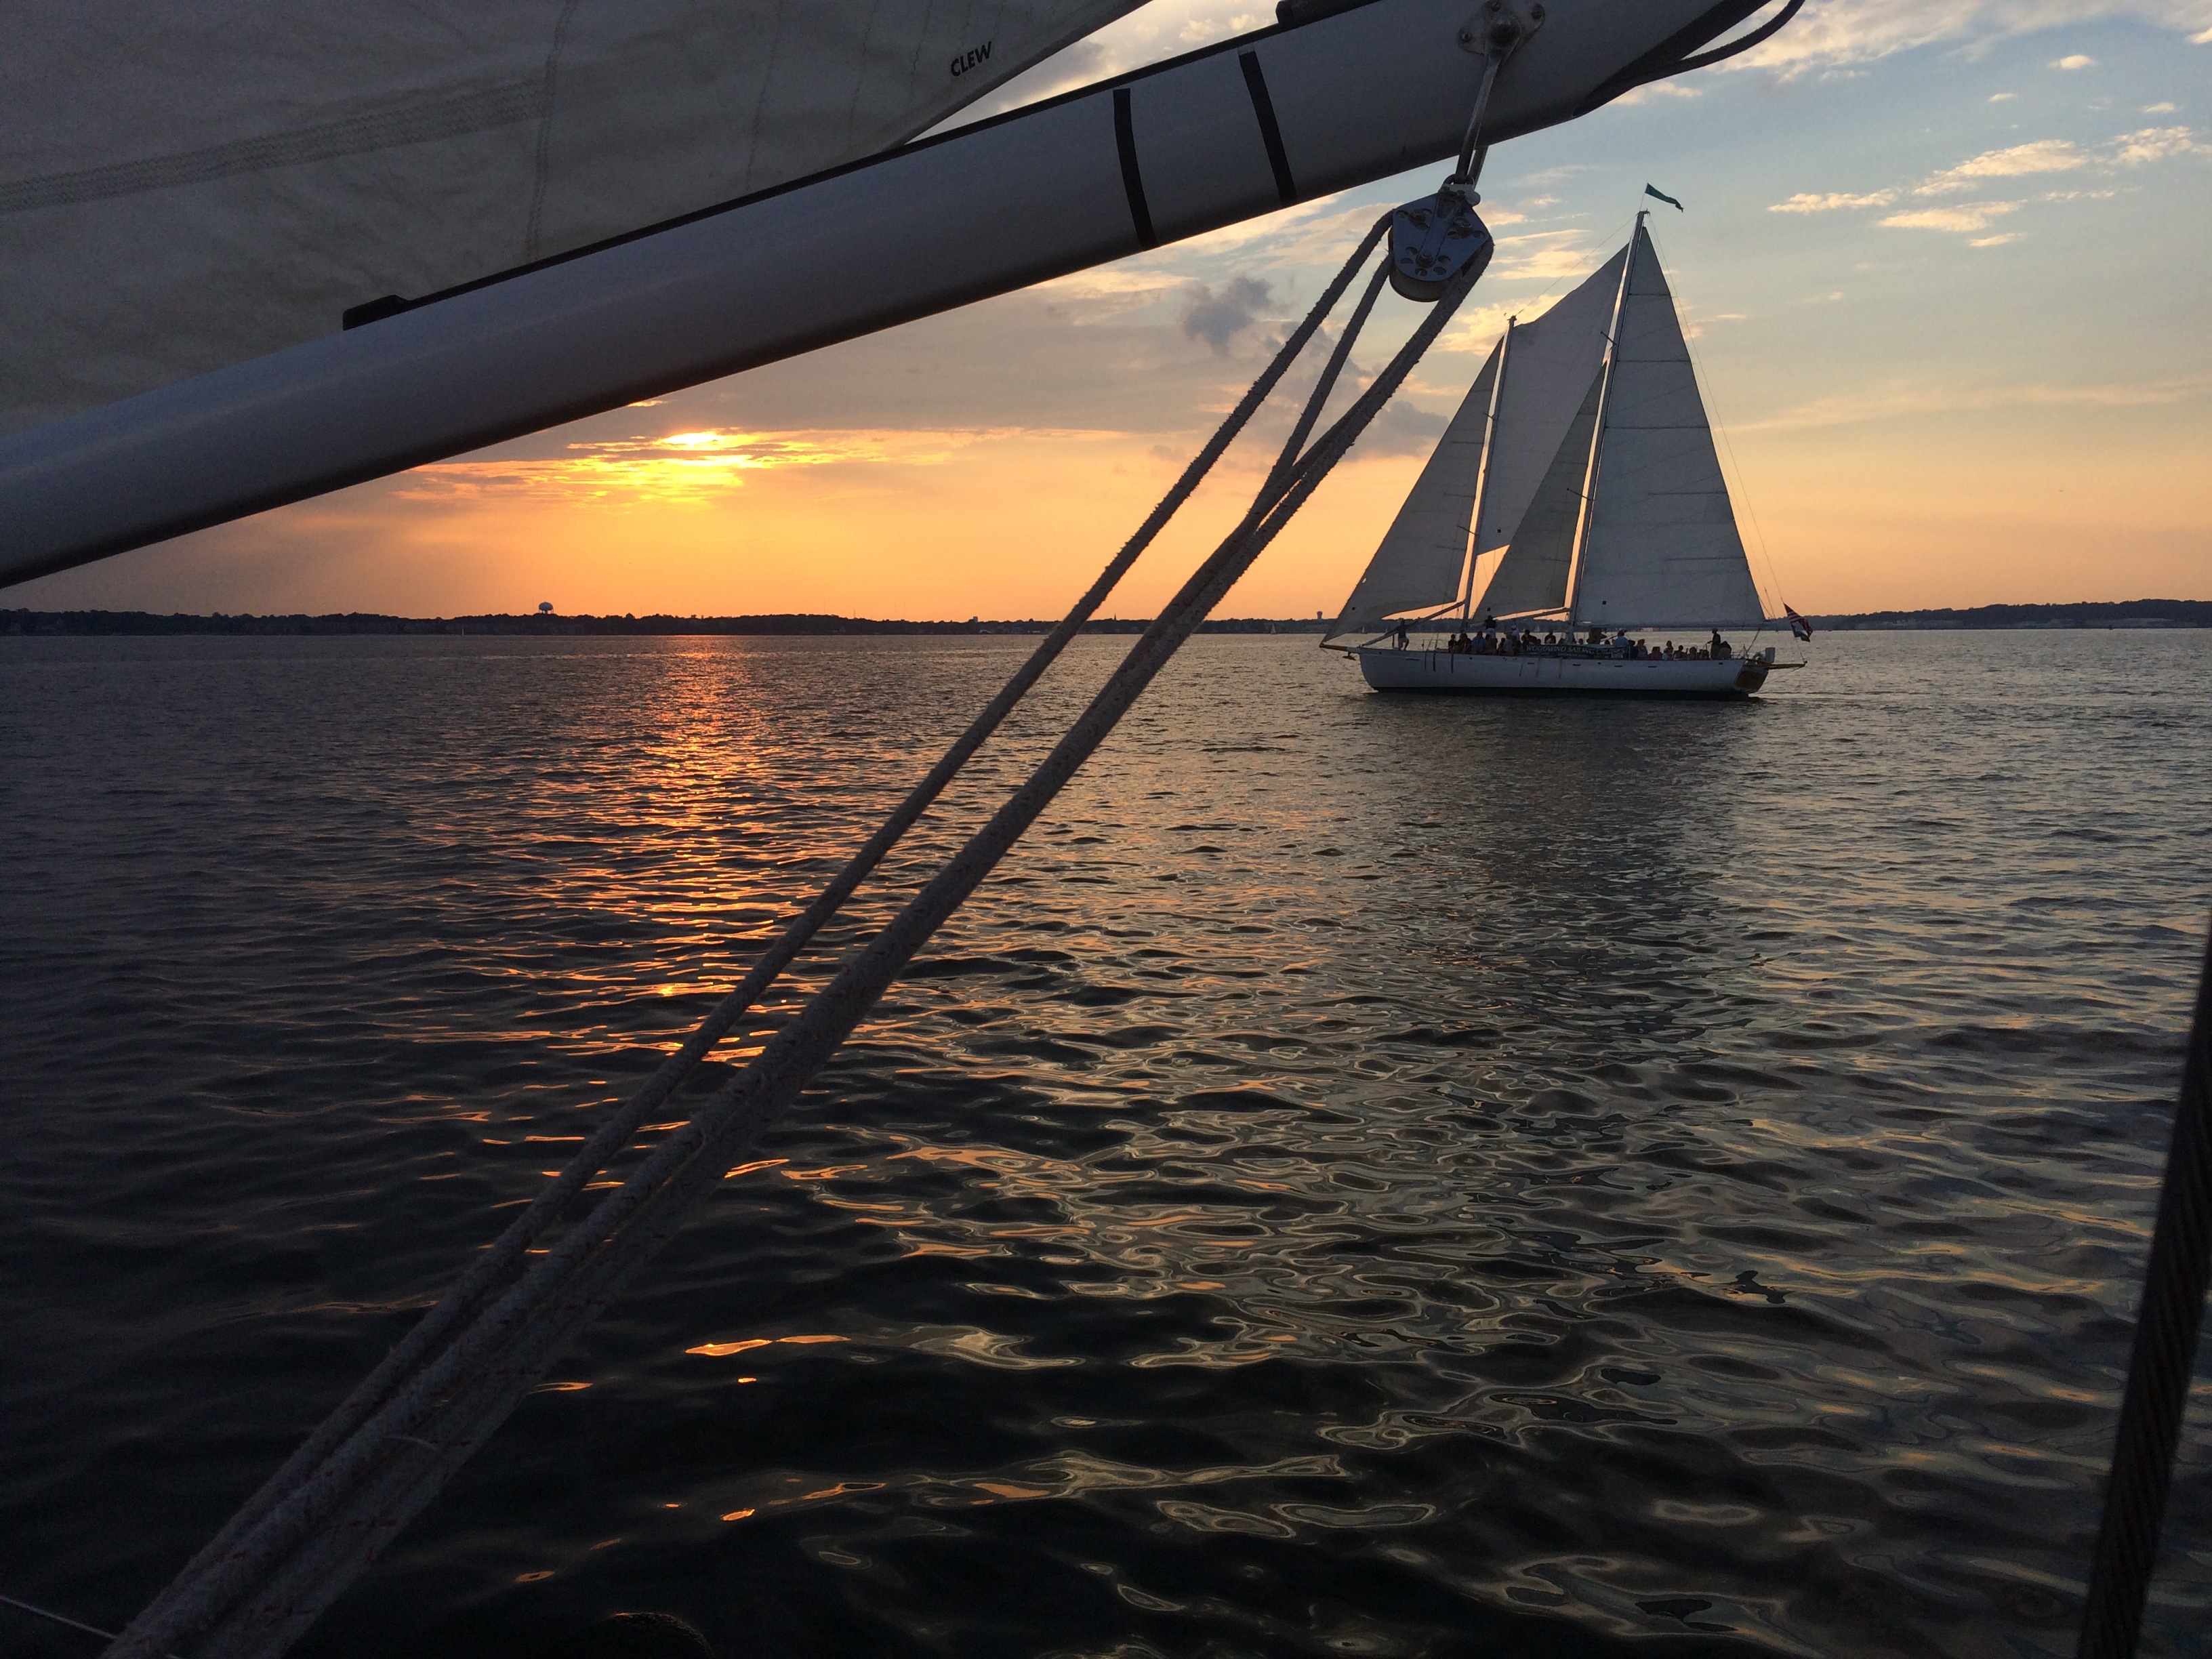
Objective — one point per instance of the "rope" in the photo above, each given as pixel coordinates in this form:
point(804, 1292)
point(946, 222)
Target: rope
point(58, 1618)
point(2159, 1370)
point(495, 1265)
point(385, 1452)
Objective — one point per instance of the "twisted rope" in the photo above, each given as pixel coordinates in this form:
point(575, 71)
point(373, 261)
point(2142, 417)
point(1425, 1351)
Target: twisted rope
point(385, 1452)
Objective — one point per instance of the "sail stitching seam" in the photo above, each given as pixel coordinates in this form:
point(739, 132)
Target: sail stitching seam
point(418, 120)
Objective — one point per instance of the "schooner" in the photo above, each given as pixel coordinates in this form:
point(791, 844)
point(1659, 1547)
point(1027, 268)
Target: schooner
point(1583, 452)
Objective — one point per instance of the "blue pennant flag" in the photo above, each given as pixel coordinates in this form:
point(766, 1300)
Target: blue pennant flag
point(1649, 189)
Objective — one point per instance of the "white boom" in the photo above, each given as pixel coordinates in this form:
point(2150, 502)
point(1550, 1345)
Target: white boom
point(1355, 93)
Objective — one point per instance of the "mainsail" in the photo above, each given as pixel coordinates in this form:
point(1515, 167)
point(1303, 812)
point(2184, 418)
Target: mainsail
point(187, 186)
point(1661, 549)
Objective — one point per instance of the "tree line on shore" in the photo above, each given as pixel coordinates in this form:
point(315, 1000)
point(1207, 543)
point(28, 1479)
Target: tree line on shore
point(2131, 613)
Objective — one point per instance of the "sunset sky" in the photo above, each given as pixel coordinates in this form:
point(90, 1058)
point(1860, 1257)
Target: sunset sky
point(1945, 267)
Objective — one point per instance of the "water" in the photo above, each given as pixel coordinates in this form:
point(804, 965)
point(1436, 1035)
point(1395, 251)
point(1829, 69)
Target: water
point(1369, 1175)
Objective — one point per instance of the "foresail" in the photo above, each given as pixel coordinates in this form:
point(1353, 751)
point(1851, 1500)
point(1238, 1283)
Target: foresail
point(1533, 575)
point(1663, 548)
point(186, 186)
point(1418, 565)
point(1550, 363)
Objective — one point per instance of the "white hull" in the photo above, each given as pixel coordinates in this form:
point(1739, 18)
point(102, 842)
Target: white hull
point(1388, 669)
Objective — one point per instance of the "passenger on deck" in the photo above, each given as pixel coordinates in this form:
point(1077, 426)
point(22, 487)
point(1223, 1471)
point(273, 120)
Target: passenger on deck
point(1720, 648)
point(1400, 642)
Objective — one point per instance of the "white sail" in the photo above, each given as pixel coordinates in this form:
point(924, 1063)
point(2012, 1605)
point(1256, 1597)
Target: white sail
point(1418, 564)
point(1551, 363)
point(186, 186)
point(1533, 575)
point(1661, 549)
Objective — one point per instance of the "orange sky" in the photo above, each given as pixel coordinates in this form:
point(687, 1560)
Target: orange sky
point(1948, 303)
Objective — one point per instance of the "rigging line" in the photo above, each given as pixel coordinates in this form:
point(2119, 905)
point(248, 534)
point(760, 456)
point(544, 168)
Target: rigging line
point(407, 1480)
point(410, 1369)
point(2167, 1322)
point(510, 1249)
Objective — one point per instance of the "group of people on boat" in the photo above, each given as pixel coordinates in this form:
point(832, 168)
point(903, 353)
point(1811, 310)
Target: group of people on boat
point(1512, 641)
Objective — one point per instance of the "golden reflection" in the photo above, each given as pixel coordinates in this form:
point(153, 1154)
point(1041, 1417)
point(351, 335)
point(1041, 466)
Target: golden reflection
point(722, 1350)
point(758, 1163)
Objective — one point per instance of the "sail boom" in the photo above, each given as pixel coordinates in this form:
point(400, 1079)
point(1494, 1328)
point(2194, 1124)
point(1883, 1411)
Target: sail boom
point(1095, 175)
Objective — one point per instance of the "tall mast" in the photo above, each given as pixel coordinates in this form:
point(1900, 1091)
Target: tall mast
point(1597, 437)
point(1482, 477)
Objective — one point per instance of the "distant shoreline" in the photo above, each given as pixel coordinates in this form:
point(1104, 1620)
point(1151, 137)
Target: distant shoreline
point(2132, 613)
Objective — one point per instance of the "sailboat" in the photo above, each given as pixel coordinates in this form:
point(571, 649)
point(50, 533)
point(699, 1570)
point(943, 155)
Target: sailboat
point(1583, 456)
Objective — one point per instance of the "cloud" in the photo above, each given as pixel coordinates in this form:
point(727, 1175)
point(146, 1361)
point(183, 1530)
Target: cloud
point(1803, 203)
point(2158, 109)
point(678, 468)
point(1400, 429)
point(1996, 241)
point(1968, 216)
point(2132, 149)
point(1217, 318)
point(2043, 155)
point(1651, 89)
point(2074, 61)
point(1899, 401)
point(2040, 156)
point(1832, 33)
point(2003, 97)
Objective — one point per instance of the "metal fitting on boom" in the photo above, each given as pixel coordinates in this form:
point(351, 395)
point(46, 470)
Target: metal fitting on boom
point(1435, 239)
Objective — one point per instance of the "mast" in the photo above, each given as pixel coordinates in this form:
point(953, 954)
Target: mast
point(1597, 437)
point(1482, 476)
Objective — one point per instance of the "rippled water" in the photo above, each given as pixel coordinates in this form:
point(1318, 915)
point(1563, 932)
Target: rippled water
point(1369, 1175)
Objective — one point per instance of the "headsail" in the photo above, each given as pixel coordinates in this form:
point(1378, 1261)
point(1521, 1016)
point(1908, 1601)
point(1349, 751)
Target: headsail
point(1418, 566)
point(1533, 575)
point(1661, 549)
point(245, 171)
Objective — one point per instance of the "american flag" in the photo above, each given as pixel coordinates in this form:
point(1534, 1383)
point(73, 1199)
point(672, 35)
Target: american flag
point(1798, 625)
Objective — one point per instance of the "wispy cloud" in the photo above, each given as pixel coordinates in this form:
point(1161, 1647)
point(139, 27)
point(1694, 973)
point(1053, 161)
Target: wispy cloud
point(2038, 156)
point(1967, 216)
point(2074, 60)
point(1832, 33)
point(1652, 90)
point(1804, 202)
point(1217, 316)
point(2043, 155)
point(1899, 401)
point(2156, 144)
point(678, 468)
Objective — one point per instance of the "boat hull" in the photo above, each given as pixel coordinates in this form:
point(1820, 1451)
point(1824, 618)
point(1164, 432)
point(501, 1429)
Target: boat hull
point(1388, 669)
